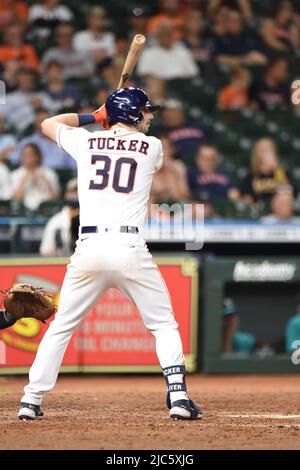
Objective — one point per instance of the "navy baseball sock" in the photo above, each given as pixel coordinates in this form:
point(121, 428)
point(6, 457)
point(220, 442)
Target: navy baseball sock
point(176, 387)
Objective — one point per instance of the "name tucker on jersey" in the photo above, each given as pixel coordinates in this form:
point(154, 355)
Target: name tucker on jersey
point(112, 143)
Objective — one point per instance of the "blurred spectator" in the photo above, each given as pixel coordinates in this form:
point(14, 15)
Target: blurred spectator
point(12, 11)
point(102, 90)
point(167, 59)
point(218, 23)
point(170, 182)
point(7, 142)
point(234, 340)
point(156, 88)
point(235, 95)
point(138, 20)
point(266, 174)
point(281, 32)
point(122, 46)
point(185, 135)
point(230, 324)
point(21, 103)
point(52, 155)
point(31, 183)
point(194, 39)
point(244, 6)
point(62, 95)
point(110, 70)
point(76, 64)
point(95, 42)
point(282, 207)
point(272, 90)
point(208, 178)
point(235, 47)
point(170, 14)
point(61, 231)
point(9, 75)
point(45, 16)
point(15, 48)
point(5, 183)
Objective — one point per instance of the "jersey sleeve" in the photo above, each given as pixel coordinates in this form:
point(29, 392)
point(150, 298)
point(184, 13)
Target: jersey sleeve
point(70, 138)
point(160, 155)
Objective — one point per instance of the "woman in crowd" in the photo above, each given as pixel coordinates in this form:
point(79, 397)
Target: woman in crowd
point(266, 174)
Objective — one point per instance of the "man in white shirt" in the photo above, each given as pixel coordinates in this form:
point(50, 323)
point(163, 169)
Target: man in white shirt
point(94, 41)
point(44, 16)
point(20, 105)
point(32, 184)
point(115, 170)
point(76, 64)
point(168, 59)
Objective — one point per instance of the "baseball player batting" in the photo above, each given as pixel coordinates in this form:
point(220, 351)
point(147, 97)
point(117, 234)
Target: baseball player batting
point(115, 170)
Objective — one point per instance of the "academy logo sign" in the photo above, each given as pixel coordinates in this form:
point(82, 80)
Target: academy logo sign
point(264, 271)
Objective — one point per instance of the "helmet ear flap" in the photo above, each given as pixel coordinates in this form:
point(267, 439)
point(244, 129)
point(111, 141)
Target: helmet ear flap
point(138, 117)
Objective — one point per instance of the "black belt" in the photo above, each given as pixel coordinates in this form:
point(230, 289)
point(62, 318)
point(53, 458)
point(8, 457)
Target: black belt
point(123, 229)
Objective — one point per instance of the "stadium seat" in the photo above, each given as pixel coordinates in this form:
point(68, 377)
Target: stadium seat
point(233, 209)
point(50, 208)
point(5, 208)
point(64, 175)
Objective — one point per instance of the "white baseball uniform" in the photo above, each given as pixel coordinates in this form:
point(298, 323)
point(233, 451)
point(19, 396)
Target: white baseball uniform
point(115, 170)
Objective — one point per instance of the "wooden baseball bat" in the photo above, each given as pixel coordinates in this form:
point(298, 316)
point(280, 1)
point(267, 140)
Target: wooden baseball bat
point(133, 55)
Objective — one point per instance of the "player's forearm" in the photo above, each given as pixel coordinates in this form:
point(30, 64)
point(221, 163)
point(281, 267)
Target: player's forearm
point(69, 119)
point(78, 120)
point(50, 125)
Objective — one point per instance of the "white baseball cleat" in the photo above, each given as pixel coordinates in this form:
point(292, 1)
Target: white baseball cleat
point(28, 412)
point(185, 409)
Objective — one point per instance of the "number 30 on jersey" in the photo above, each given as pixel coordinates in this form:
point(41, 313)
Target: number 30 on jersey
point(114, 179)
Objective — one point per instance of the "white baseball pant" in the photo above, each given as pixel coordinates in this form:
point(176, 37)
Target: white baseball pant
point(101, 261)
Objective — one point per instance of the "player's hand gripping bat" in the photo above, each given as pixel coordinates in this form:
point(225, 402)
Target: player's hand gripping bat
point(133, 55)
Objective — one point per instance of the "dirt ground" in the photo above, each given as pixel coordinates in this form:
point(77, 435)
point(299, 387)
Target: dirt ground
point(128, 412)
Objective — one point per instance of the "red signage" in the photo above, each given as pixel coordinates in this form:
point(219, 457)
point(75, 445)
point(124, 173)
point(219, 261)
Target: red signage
point(112, 337)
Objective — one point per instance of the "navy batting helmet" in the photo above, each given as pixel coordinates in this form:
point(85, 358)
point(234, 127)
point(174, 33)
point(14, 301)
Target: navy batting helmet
point(126, 105)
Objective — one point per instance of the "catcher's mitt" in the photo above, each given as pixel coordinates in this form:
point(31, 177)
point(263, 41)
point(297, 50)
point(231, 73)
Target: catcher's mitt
point(24, 300)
